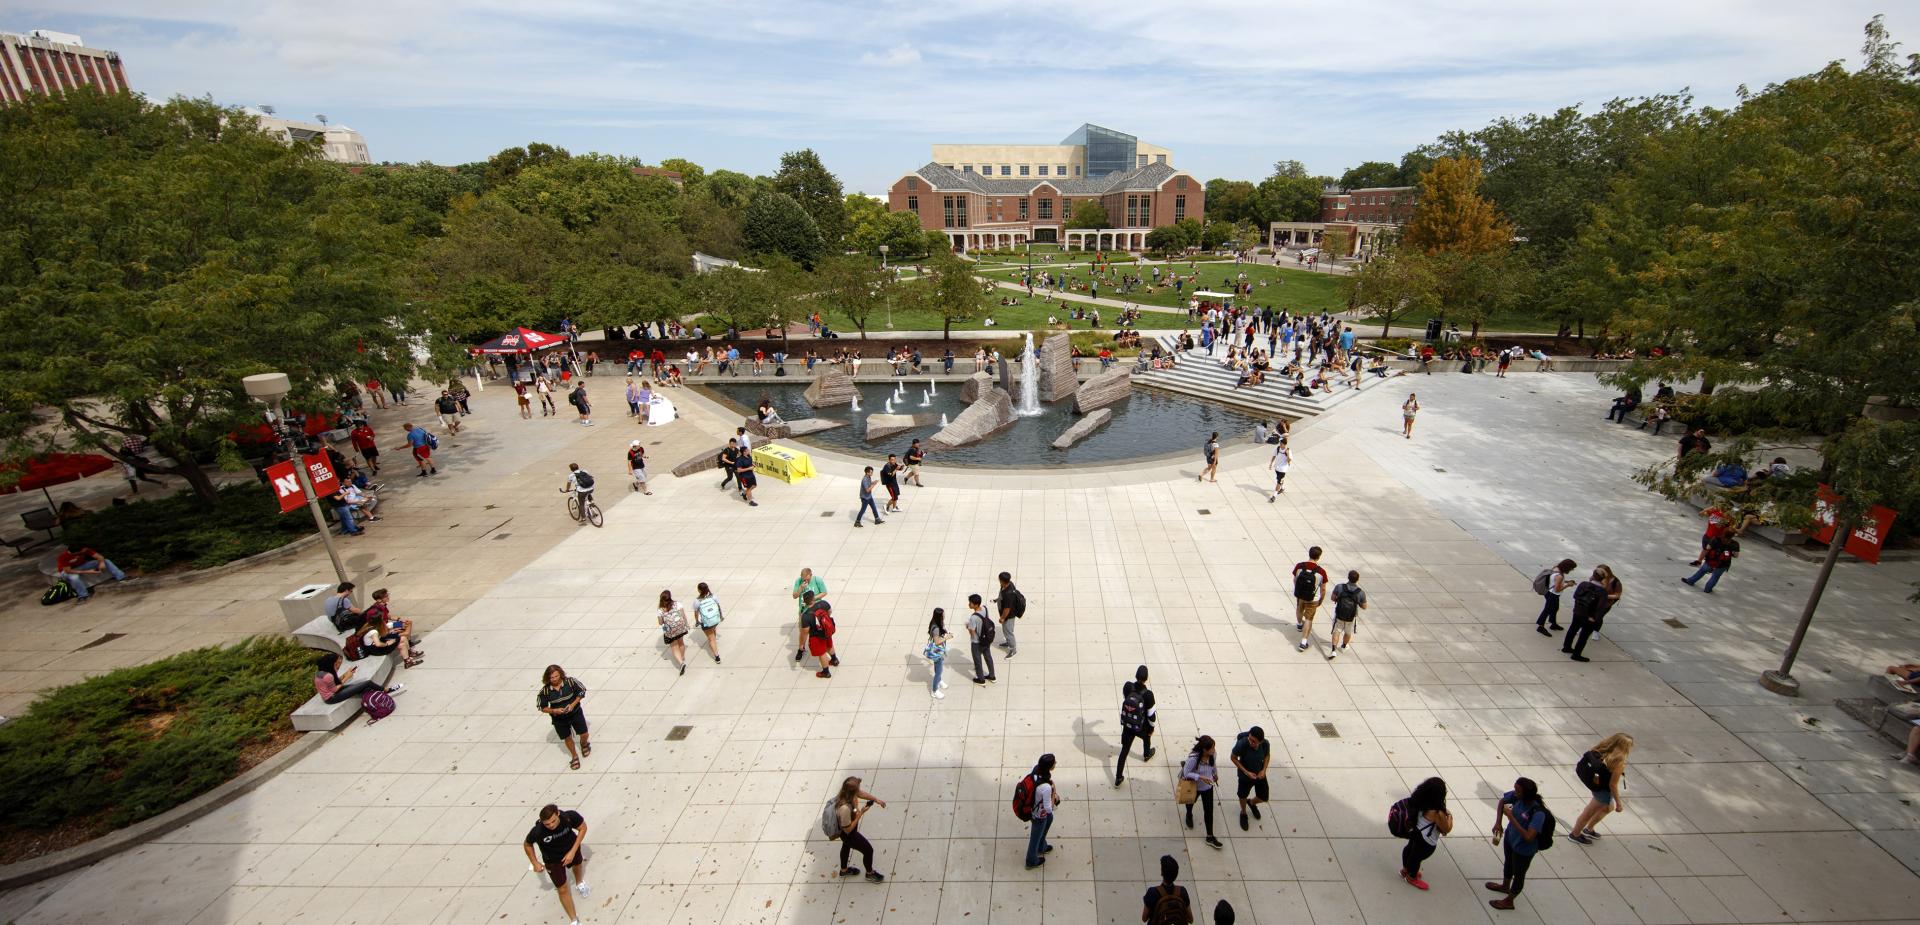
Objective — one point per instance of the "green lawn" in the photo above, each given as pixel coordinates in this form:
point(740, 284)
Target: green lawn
point(1286, 287)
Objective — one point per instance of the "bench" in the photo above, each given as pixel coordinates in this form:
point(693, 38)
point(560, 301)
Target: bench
point(37, 519)
point(317, 715)
point(1881, 688)
point(1780, 536)
point(319, 633)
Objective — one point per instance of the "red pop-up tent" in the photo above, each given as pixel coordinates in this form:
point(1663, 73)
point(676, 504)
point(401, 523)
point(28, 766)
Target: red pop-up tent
point(522, 340)
point(54, 469)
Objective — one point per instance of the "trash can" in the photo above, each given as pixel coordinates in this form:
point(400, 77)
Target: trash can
point(1433, 329)
point(304, 604)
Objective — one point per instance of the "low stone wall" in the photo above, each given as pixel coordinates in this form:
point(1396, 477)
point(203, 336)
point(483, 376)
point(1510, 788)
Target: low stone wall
point(832, 387)
point(982, 419)
point(1103, 390)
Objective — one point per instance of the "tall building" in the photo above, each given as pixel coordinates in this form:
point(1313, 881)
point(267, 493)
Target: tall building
point(54, 62)
point(988, 196)
point(338, 143)
point(1368, 218)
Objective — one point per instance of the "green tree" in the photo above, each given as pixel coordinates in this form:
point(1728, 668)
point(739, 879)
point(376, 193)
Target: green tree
point(1336, 242)
point(1466, 240)
point(153, 255)
point(817, 190)
point(855, 286)
point(1394, 285)
point(580, 191)
point(1166, 239)
point(1088, 213)
point(1233, 200)
point(732, 190)
point(1288, 199)
point(503, 167)
point(691, 174)
point(1215, 234)
point(738, 297)
point(775, 224)
point(950, 291)
point(1371, 174)
point(418, 196)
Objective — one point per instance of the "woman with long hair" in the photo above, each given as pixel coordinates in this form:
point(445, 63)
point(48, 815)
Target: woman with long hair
point(1525, 816)
point(1430, 821)
point(1044, 799)
point(1603, 769)
point(848, 811)
point(560, 697)
point(673, 629)
point(710, 615)
point(936, 650)
point(1201, 768)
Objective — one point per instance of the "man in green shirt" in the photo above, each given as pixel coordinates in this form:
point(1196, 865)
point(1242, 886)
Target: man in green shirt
point(1251, 753)
point(806, 582)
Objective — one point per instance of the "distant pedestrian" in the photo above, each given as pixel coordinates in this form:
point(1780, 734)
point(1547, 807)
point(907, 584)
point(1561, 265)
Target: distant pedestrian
point(544, 388)
point(560, 835)
point(1201, 767)
point(744, 477)
point(848, 812)
point(801, 585)
point(560, 698)
point(1137, 716)
point(637, 467)
point(423, 444)
point(525, 401)
point(1408, 409)
point(1282, 462)
point(1250, 756)
point(1429, 818)
point(1602, 770)
point(708, 611)
point(1348, 600)
point(729, 457)
point(866, 499)
point(1550, 584)
point(915, 455)
point(1210, 459)
point(1526, 820)
point(1718, 557)
point(1167, 903)
point(1011, 605)
point(816, 633)
point(980, 636)
point(936, 651)
point(1045, 798)
point(1309, 590)
point(673, 629)
point(578, 398)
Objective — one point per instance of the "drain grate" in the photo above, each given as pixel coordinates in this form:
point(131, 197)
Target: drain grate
point(100, 642)
point(1676, 624)
point(1438, 469)
point(678, 733)
point(1326, 730)
point(1204, 510)
point(827, 513)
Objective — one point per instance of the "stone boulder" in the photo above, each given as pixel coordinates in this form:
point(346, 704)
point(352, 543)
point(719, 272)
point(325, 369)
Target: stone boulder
point(811, 426)
point(1058, 373)
point(976, 386)
point(882, 426)
point(1083, 428)
point(770, 431)
point(708, 460)
point(982, 419)
point(832, 387)
point(1108, 388)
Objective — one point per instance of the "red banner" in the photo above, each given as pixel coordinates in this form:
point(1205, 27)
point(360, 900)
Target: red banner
point(286, 482)
point(1867, 537)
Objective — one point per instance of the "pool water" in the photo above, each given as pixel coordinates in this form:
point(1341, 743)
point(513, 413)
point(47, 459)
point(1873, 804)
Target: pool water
point(1147, 424)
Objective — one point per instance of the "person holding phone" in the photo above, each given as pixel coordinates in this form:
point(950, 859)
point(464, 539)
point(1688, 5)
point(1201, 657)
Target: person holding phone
point(849, 811)
point(560, 697)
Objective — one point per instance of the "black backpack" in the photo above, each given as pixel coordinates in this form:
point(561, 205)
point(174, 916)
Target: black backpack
point(1591, 771)
point(346, 620)
point(584, 479)
point(1304, 585)
point(986, 631)
point(1543, 839)
point(1346, 604)
point(1016, 604)
point(1133, 710)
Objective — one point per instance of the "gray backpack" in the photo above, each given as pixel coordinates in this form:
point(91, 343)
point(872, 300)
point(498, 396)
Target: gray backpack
point(1543, 582)
point(830, 821)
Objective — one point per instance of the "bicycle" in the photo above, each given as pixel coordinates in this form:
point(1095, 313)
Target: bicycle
point(580, 507)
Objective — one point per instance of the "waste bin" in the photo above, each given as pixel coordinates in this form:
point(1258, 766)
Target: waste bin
point(1433, 329)
point(304, 604)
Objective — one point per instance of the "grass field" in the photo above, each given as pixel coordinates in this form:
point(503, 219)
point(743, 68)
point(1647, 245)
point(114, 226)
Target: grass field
point(1286, 287)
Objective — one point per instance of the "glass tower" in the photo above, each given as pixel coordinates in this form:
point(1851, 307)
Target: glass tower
point(1108, 151)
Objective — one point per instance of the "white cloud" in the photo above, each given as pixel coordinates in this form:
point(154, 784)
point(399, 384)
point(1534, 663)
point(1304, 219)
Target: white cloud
point(897, 56)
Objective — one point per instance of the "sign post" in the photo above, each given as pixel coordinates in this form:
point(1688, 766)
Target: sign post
point(1863, 540)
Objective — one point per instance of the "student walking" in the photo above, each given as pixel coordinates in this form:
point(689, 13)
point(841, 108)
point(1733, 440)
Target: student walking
point(1549, 584)
point(423, 444)
point(544, 388)
point(816, 632)
point(1526, 822)
point(936, 651)
point(1137, 717)
point(1718, 554)
point(673, 629)
point(708, 612)
point(1427, 820)
point(1348, 601)
point(801, 585)
point(1045, 798)
point(1281, 462)
point(1210, 457)
point(744, 477)
point(1167, 903)
point(1011, 605)
point(980, 635)
point(578, 398)
point(1603, 771)
point(1591, 601)
point(1408, 409)
point(560, 698)
point(848, 812)
point(637, 467)
point(560, 836)
point(1250, 756)
point(890, 477)
point(916, 455)
point(1201, 768)
point(866, 499)
point(1309, 590)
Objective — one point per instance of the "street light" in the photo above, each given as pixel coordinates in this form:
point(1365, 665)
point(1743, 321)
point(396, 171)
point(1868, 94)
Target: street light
point(270, 388)
point(883, 267)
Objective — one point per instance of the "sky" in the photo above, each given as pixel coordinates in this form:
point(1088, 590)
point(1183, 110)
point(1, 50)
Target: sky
point(1230, 87)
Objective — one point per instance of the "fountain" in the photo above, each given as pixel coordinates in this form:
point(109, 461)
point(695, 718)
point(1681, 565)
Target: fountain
point(900, 387)
point(943, 419)
point(933, 387)
point(1029, 382)
point(856, 401)
point(926, 398)
point(889, 408)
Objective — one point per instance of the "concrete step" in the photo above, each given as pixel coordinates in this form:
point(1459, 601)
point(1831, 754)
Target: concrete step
point(1201, 376)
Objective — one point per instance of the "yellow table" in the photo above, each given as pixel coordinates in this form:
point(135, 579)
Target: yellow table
point(782, 463)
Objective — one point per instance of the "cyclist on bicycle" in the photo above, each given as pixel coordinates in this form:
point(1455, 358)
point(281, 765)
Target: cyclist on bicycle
point(580, 482)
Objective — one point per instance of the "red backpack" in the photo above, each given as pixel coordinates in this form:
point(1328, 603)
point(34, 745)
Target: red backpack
point(823, 617)
point(1023, 798)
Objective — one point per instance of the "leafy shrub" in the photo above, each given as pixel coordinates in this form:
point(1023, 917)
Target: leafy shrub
point(243, 520)
point(136, 742)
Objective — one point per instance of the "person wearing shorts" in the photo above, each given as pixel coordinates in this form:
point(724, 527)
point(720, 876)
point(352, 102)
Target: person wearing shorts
point(1348, 600)
point(1308, 576)
point(560, 698)
point(813, 633)
point(526, 402)
point(1250, 756)
point(743, 474)
point(422, 444)
point(915, 455)
point(560, 836)
point(1282, 461)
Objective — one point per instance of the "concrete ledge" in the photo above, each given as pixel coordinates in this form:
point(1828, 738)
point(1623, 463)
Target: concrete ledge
point(112, 843)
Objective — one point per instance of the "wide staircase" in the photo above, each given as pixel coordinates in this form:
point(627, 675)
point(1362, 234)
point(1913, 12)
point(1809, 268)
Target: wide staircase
point(1203, 376)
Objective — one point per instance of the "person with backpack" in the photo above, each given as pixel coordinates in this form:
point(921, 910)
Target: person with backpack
point(1718, 556)
point(708, 612)
point(448, 410)
point(1603, 771)
point(1210, 459)
point(980, 638)
point(1309, 590)
point(560, 698)
point(936, 651)
point(1550, 584)
point(336, 686)
point(1040, 799)
point(423, 444)
point(1136, 722)
point(1348, 601)
point(845, 816)
point(673, 628)
point(1591, 600)
point(378, 637)
point(1201, 767)
point(578, 398)
point(1167, 903)
point(637, 467)
point(1281, 462)
point(1250, 756)
point(1012, 605)
point(801, 585)
point(1420, 819)
point(340, 610)
point(816, 632)
point(560, 835)
point(580, 482)
point(1529, 830)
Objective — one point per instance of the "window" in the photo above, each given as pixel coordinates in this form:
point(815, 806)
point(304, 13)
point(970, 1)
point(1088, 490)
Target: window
point(1180, 181)
point(966, 168)
point(1023, 210)
point(1159, 158)
point(1146, 211)
point(1043, 170)
point(1179, 207)
point(1005, 170)
point(1023, 170)
point(1063, 171)
point(1133, 211)
point(1076, 170)
point(1143, 161)
point(913, 183)
point(913, 203)
point(1046, 209)
point(955, 211)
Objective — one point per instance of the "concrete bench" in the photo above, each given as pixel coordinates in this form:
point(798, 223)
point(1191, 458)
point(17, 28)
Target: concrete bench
point(1772, 533)
point(317, 715)
point(319, 633)
point(1880, 687)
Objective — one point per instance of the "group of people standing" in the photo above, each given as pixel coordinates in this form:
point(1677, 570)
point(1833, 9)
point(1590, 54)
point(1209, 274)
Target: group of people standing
point(1593, 598)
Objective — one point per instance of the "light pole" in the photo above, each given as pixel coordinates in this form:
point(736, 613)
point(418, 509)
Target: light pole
point(270, 388)
point(883, 268)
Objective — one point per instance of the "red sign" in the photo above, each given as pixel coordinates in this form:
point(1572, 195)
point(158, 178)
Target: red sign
point(286, 482)
point(1867, 537)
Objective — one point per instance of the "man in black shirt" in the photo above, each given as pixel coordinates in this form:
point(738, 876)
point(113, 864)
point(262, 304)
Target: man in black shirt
point(890, 477)
point(728, 458)
point(1136, 721)
point(915, 454)
point(1251, 754)
point(1012, 605)
point(560, 836)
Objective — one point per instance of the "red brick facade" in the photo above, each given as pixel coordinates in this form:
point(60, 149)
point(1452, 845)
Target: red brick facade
point(1040, 208)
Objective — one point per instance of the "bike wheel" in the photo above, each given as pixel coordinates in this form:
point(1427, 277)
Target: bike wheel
point(593, 514)
point(573, 509)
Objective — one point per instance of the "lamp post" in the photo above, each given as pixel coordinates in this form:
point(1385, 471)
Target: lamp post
point(883, 267)
point(270, 388)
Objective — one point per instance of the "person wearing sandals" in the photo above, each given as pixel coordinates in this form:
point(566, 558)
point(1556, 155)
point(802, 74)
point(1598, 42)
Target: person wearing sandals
point(849, 813)
point(1526, 817)
point(709, 614)
point(1201, 768)
point(379, 638)
point(560, 698)
point(336, 687)
point(1602, 770)
point(673, 629)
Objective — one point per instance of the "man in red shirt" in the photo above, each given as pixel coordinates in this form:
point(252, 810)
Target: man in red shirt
point(366, 446)
point(659, 362)
point(78, 566)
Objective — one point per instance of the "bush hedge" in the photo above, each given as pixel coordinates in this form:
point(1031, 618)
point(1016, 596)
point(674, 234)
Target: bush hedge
point(244, 519)
point(136, 742)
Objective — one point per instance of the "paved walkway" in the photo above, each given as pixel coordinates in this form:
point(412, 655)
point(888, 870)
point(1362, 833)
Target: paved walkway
point(1744, 807)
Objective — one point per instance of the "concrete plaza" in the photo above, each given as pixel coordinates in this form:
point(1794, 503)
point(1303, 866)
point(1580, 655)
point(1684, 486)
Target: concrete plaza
point(1744, 807)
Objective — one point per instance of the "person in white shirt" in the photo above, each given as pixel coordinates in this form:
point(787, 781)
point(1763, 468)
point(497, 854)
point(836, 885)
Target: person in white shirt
point(1045, 797)
point(361, 501)
point(1282, 461)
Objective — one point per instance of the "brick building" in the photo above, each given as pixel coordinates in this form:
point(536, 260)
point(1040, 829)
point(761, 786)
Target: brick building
point(54, 62)
point(1363, 218)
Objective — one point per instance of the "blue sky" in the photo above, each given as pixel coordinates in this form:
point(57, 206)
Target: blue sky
point(1230, 87)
